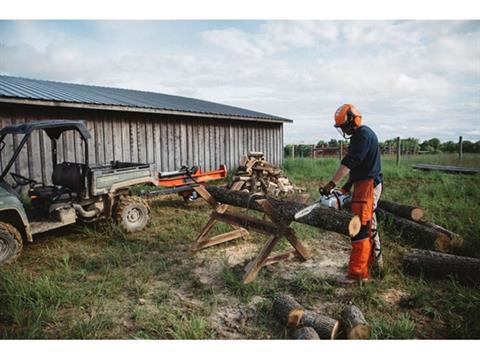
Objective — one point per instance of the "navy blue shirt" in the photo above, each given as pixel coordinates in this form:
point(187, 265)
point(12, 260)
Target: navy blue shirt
point(363, 157)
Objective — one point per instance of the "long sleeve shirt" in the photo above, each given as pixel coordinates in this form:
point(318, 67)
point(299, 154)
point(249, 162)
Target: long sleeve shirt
point(363, 157)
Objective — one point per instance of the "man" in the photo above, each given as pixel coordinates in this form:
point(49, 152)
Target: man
point(362, 164)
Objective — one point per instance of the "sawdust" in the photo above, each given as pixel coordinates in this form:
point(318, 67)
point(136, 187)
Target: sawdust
point(393, 296)
point(232, 321)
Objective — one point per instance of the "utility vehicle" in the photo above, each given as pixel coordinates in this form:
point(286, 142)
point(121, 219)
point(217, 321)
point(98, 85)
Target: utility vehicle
point(78, 191)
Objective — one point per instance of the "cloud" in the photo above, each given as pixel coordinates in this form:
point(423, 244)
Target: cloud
point(409, 78)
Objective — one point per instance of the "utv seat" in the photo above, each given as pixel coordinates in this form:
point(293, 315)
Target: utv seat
point(68, 175)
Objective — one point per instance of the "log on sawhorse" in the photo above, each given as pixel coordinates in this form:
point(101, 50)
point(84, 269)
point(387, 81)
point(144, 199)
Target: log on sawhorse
point(276, 228)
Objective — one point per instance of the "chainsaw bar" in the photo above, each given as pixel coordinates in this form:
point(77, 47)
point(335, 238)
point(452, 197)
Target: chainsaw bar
point(306, 211)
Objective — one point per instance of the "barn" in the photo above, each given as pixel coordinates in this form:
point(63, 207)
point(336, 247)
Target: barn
point(134, 126)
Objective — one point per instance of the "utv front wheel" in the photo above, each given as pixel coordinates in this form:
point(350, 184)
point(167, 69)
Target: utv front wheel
point(132, 213)
point(11, 243)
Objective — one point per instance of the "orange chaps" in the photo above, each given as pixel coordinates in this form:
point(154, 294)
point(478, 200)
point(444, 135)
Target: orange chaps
point(362, 205)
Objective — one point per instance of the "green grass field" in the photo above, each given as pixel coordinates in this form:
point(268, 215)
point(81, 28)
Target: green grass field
point(97, 282)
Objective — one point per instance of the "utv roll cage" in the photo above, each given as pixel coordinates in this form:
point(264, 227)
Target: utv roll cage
point(53, 128)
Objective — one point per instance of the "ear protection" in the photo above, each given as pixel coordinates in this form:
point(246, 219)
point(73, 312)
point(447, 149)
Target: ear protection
point(353, 117)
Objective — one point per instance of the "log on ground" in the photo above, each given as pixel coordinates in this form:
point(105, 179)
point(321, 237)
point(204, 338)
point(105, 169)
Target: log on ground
point(287, 310)
point(438, 265)
point(406, 211)
point(306, 333)
point(326, 327)
point(354, 324)
point(455, 240)
point(322, 217)
point(414, 232)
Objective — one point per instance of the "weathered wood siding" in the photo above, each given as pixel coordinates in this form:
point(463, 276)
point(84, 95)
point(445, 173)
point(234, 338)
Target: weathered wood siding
point(168, 141)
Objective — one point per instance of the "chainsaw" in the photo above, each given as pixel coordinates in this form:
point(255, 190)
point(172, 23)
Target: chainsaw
point(336, 200)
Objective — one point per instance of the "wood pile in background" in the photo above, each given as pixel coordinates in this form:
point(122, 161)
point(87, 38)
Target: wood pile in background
point(264, 178)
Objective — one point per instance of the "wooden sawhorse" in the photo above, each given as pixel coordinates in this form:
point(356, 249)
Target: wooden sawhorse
point(276, 228)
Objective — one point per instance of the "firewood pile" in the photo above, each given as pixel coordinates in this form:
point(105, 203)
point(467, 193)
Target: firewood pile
point(263, 178)
point(309, 325)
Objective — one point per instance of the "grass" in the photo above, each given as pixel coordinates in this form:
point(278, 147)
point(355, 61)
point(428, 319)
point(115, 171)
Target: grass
point(95, 281)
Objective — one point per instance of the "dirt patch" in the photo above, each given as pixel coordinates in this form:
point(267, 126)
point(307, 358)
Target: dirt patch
point(393, 296)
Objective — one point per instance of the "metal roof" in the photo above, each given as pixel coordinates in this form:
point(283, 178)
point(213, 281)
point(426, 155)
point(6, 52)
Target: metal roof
point(43, 92)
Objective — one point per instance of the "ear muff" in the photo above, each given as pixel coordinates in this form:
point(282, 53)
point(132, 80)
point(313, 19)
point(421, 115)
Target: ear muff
point(354, 117)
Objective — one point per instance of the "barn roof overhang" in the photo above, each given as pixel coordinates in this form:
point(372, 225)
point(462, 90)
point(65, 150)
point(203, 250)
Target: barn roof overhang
point(134, 109)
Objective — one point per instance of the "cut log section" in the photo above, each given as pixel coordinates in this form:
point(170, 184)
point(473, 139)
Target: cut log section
point(354, 324)
point(405, 211)
point(326, 327)
point(456, 240)
point(287, 310)
point(306, 333)
point(416, 232)
point(439, 265)
point(322, 217)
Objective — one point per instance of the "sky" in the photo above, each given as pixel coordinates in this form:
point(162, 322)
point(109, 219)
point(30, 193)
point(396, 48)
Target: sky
point(408, 78)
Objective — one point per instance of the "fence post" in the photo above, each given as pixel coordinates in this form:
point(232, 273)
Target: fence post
point(313, 151)
point(460, 148)
point(399, 149)
point(293, 151)
point(341, 151)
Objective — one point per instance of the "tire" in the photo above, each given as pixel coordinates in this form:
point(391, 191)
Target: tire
point(131, 213)
point(11, 243)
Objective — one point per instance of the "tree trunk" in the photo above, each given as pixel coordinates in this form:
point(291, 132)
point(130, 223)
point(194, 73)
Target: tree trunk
point(415, 232)
point(306, 333)
point(322, 217)
point(326, 327)
point(405, 211)
point(287, 310)
point(354, 324)
point(439, 265)
point(456, 240)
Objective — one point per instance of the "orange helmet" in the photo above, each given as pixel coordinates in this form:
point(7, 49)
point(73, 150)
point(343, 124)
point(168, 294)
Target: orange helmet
point(347, 114)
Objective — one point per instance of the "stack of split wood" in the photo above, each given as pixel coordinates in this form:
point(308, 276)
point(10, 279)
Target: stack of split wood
point(261, 177)
point(408, 221)
point(309, 325)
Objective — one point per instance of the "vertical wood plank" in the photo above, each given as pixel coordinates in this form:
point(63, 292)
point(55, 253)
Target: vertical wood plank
point(141, 141)
point(117, 142)
point(183, 144)
point(171, 145)
point(108, 138)
point(92, 154)
point(133, 140)
point(156, 144)
point(99, 140)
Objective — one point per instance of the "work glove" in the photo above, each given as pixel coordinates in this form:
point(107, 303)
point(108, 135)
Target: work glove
point(327, 189)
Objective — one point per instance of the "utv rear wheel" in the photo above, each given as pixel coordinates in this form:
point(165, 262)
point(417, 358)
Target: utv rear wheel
point(11, 243)
point(132, 213)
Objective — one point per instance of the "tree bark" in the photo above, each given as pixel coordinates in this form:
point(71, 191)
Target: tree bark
point(322, 217)
point(405, 211)
point(326, 327)
point(354, 324)
point(306, 333)
point(287, 310)
point(456, 240)
point(415, 232)
point(439, 265)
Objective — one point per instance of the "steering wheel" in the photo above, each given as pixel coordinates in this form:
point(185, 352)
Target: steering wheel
point(22, 180)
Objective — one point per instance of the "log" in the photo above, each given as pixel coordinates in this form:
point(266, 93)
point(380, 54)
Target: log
point(306, 333)
point(326, 327)
point(287, 310)
point(322, 217)
point(439, 265)
point(456, 240)
point(354, 324)
point(415, 232)
point(405, 211)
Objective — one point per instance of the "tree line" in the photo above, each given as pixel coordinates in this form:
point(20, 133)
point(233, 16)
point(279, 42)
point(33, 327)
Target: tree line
point(431, 146)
